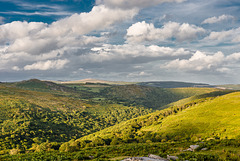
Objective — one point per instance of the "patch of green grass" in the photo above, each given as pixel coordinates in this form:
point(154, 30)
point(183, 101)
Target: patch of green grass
point(219, 117)
point(200, 119)
point(118, 152)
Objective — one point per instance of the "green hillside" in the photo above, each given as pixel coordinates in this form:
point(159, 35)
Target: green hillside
point(128, 95)
point(29, 117)
point(201, 119)
point(151, 97)
point(73, 120)
point(219, 117)
point(38, 85)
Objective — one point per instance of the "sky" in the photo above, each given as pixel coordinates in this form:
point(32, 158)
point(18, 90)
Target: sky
point(127, 40)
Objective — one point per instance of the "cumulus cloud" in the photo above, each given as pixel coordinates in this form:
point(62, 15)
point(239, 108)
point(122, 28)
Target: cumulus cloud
point(11, 31)
point(16, 68)
point(77, 24)
point(218, 19)
point(99, 18)
point(28, 42)
point(139, 74)
point(229, 36)
point(47, 65)
point(33, 46)
point(134, 3)
point(201, 61)
point(130, 52)
point(143, 31)
point(198, 62)
point(235, 57)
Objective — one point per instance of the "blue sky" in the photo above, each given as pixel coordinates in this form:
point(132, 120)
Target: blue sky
point(42, 10)
point(137, 40)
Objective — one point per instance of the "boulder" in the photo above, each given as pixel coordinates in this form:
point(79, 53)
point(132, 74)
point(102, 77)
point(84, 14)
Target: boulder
point(189, 149)
point(194, 147)
point(133, 159)
point(91, 157)
point(169, 157)
point(204, 149)
point(156, 157)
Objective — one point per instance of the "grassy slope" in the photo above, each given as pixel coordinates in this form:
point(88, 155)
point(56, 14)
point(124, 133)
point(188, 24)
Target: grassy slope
point(44, 99)
point(204, 118)
point(219, 117)
point(197, 121)
point(43, 86)
point(152, 97)
point(200, 96)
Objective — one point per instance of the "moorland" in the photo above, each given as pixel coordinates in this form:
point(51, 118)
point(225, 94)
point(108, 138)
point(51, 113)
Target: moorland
point(103, 120)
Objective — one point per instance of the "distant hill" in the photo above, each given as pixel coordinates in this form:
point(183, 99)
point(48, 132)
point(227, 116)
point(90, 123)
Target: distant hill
point(173, 84)
point(38, 85)
point(162, 84)
point(230, 86)
point(149, 96)
point(130, 95)
point(95, 81)
point(42, 116)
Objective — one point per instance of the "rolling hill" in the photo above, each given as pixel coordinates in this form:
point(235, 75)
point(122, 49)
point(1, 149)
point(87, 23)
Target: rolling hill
point(151, 97)
point(29, 116)
point(200, 119)
point(72, 121)
point(96, 81)
point(38, 85)
point(174, 84)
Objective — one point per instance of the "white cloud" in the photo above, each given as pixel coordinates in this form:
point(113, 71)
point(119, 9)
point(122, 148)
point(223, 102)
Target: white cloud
point(201, 61)
point(198, 62)
point(134, 3)
point(132, 52)
point(139, 74)
point(47, 65)
point(217, 19)
point(23, 43)
point(11, 31)
point(143, 31)
point(228, 36)
point(16, 68)
point(33, 46)
point(235, 57)
point(99, 18)
point(75, 25)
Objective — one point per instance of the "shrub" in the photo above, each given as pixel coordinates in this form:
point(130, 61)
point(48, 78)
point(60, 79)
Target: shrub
point(14, 151)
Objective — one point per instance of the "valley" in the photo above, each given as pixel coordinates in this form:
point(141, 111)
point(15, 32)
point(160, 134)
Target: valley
point(44, 120)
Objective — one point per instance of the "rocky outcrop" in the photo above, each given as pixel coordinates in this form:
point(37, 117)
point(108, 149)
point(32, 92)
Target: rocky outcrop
point(192, 148)
point(156, 157)
point(169, 157)
point(134, 159)
point(151, 157)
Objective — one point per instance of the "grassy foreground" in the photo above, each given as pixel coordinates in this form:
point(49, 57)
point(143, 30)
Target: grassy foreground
point(218, 150)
